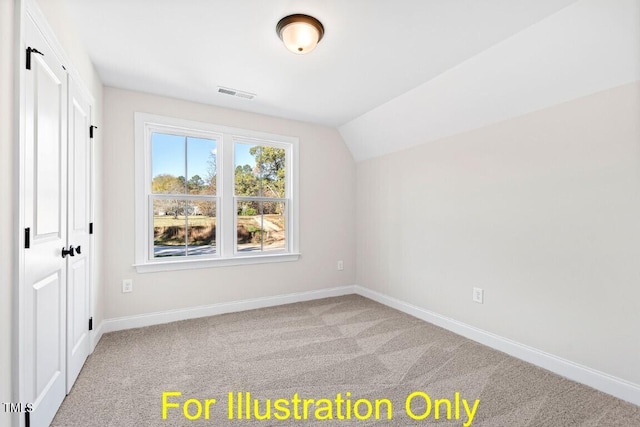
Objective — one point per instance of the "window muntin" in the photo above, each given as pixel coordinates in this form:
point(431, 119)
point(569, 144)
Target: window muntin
point(192, 212)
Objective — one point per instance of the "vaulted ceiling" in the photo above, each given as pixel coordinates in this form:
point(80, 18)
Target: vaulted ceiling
point(388, 74)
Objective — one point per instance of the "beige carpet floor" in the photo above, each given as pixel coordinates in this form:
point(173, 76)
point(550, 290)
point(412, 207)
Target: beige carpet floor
point(349, 354)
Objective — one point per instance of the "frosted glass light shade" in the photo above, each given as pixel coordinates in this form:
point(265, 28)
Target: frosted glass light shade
point(300, 33)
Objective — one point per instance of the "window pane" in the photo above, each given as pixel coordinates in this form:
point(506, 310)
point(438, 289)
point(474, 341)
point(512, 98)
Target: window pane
point(201, 220)
point(169, 228)
point(249, 226)
point(259, 170)
point(246, 178)
point(273, 224)
point(261, 226)
point(201, 165)
point(167, 164)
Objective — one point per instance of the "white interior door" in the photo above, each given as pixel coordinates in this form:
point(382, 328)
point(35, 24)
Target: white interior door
point(78, 271)
point(45, 208)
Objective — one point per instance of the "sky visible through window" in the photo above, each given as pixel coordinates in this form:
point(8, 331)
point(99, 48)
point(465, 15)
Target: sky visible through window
point(168, 155)
point(243, 157)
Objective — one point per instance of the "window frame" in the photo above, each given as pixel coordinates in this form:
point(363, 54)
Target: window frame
point(226, 200)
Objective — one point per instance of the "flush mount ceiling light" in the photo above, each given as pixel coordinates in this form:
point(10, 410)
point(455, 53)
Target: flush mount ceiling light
point(300, 33)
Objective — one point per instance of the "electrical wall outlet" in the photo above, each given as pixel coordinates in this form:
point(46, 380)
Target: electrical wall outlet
point(127, 285)
point(478, 295)
point(340, 265)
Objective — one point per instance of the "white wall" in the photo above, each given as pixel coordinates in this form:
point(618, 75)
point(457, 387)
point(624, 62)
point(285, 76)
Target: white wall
point(7, 184)
point(541, 211)
point(327, 207)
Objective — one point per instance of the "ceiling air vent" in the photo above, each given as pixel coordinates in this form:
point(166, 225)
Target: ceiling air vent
point(235, 92)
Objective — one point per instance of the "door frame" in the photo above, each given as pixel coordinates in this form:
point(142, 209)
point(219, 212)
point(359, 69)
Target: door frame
point(29, 10)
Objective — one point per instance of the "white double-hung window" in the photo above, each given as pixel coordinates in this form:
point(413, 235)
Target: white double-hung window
point(209, 195)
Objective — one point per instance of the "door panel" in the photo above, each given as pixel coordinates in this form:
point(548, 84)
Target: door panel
point(78, 285)
point(47, 297)
point(77, 294)
point(47, 186)
point(80, 174)
point(43, 317)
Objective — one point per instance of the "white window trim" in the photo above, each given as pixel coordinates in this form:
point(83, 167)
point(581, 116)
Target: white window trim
point(226, 248)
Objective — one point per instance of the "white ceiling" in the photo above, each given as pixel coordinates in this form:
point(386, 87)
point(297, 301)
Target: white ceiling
point(383, 65)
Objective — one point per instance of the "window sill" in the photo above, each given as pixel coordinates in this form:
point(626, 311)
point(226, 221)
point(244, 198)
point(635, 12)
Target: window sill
point(174, 265)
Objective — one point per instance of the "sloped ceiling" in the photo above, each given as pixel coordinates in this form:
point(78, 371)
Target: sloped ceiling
point(389, 74)
point(587, 47)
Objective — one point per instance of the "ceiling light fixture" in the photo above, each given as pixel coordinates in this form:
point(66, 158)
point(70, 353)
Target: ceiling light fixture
point(300, 33)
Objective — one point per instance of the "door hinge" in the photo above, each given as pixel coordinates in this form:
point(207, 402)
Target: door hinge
point(90, 228)
point(91, 128)
point(27, 419)
point(31, 50)
point(27, 238)
point(91, 323)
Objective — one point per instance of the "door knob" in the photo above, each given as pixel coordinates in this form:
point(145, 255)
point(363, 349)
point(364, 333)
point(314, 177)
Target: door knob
point(78, 250)
point(67, 252)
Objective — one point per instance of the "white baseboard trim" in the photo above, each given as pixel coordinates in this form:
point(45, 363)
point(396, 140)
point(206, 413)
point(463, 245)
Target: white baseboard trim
point(606, 383)
point(139, 321)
